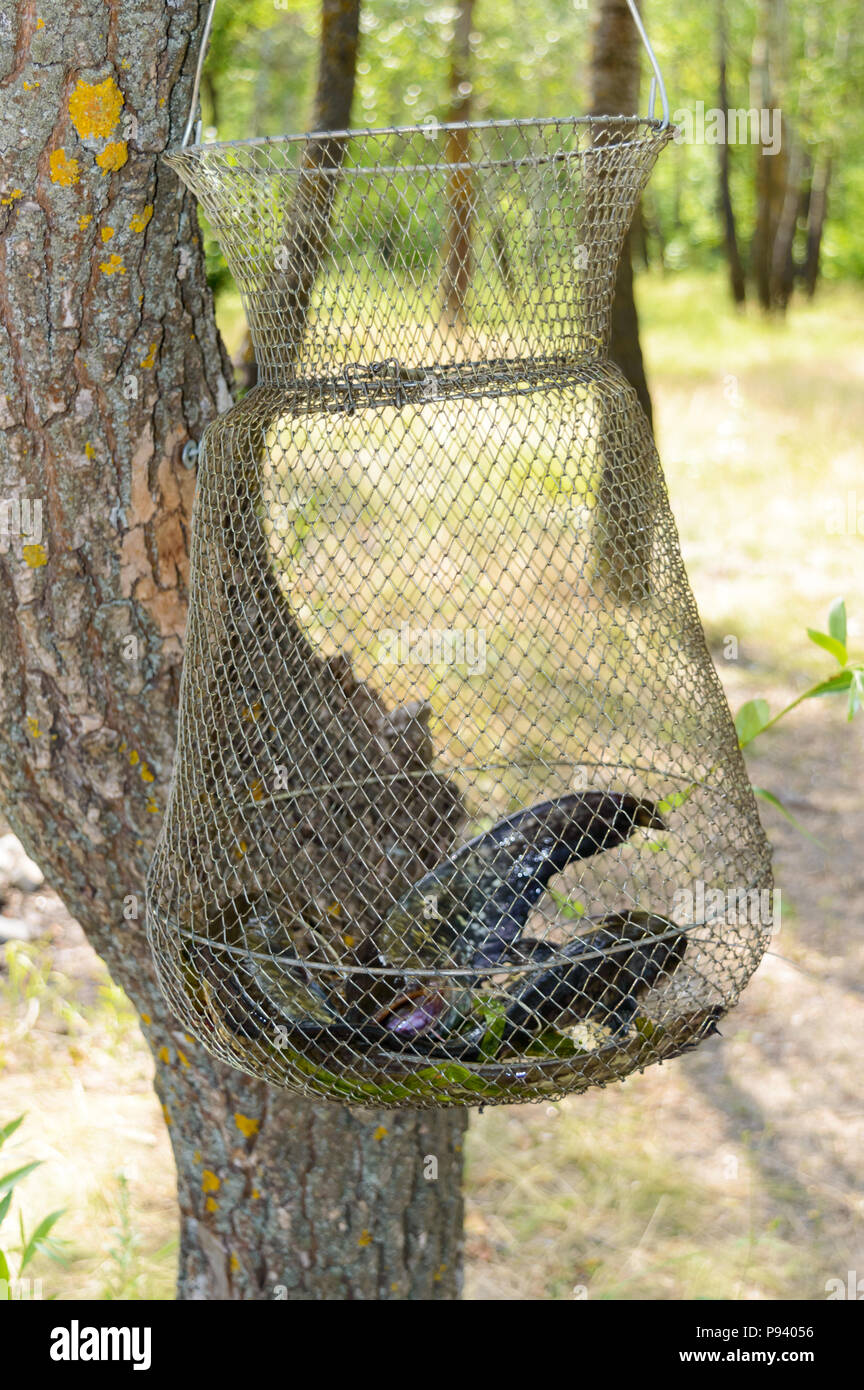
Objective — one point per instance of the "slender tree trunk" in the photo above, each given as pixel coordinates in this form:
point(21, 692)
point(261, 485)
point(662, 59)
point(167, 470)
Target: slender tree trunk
point(622, 529)
point(735, 265)
point(109, 363)
point(458, 254)
point(655, 242)
point(771, 169)
point(816, 215)
point(615, 69)
point(334, 98)
point(783, 250)
point(639, 247)
point(678, 176)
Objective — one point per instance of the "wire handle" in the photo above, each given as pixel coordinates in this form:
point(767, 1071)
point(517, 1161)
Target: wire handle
point(657, 83)
point(196, 85)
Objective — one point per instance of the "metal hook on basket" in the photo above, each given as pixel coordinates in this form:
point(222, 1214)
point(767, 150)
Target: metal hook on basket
point(657, 83)
point(196, 85)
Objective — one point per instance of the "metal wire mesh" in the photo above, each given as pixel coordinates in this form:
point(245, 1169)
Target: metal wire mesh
point(458, 813)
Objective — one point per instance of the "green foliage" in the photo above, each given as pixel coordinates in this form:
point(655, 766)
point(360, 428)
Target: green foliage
point(750, 720)
point(567, 906)
point(764, 795)
point(40, 1240)
point(124, 1275)
point(754, 717)
point(494, 1015)
point(531, 58)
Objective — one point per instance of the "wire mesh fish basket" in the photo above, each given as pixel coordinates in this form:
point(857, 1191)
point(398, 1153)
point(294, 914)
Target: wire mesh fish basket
point(458, 813)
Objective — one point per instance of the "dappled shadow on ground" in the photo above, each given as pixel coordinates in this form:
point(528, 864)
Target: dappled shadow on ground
point(736, 1172)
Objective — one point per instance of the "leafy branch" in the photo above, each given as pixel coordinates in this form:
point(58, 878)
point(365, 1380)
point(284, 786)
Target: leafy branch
point(755, 718)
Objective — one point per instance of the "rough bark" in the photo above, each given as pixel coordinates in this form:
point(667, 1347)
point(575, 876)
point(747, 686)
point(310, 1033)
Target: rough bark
point(110, 362)
point(735, 265)
point(457, 253)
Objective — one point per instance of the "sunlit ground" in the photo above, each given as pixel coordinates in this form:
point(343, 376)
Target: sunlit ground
point(736, 1172)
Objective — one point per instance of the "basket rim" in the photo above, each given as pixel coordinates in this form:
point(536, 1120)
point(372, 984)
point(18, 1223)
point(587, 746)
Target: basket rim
point(651, 129)
point(464, 972)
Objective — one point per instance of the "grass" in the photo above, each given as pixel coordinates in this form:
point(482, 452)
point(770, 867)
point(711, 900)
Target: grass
point(761, 430)
point(585, 1195)
point(75, 1063)
point(733, 1173)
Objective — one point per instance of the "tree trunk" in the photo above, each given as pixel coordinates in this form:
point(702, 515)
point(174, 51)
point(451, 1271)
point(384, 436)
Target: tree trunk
point(110, 362)
point(654, 238)
point(737, 282)
point(771, 169)
point(615, 68)
point(783, 251)
point(817, 213)
point(457, 253)
point(334, 97)
point(622, 532)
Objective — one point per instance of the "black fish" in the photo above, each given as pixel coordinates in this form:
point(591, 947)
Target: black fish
point(472, 908)
point(603, 989)
point(233, 1010)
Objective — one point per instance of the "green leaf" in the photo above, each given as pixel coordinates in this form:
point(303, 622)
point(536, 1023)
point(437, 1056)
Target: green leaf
point(751, 720)
point(39, 1238)
point(569, 907)
point(9, 1129)
point(8, 1181)
point(550, 1041)
point(4, 1207)
point(674, 800)
point(833, 686)
point(837, 622)
point(778, 805)
point(829, 644)
point(448, 1074)
point(4, 1274)
point(856, 694)
point(491, 1040)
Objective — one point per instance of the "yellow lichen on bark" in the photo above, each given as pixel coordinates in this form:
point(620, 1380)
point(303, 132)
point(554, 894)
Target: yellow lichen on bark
point(113, 157)
point(95, 109)
point(139, 222)
point(64, 170)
